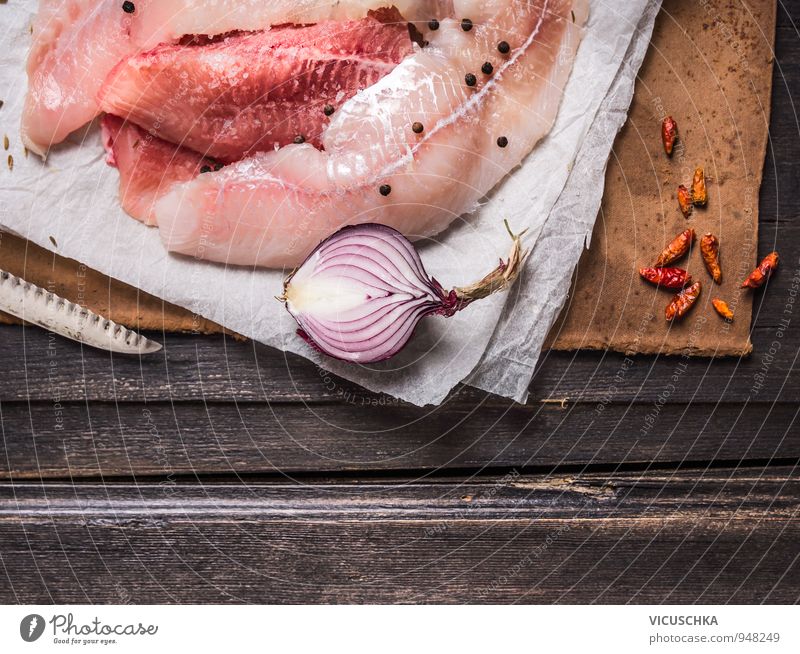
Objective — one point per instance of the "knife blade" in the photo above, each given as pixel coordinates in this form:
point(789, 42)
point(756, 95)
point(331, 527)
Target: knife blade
point(40, 307)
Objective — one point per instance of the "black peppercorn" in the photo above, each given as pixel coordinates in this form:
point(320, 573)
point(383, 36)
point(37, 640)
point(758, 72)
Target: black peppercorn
point(487, 68)
point(470, 79)
point(128, 7)
point(328, 109)
point(417, 128)
point(433, 24)
point(466, 24)
point(385, 189)
point(503, 47)
point(299, 139)
point(205, 169)
point(502, 141)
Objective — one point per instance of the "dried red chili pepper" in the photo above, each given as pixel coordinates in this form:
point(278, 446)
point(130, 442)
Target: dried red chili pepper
point(669, 132)
point(685, 201)
point(683, 302)
point(699, 193)
point(762, 271)
point(709, 248)
point(666, 277)
point(722, 308)
point(676, 249)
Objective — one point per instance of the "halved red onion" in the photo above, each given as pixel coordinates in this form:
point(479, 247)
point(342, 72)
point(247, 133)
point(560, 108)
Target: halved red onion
point(360, 294)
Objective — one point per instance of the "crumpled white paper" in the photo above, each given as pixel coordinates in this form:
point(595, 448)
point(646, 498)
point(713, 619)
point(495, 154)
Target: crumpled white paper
point(70, 205)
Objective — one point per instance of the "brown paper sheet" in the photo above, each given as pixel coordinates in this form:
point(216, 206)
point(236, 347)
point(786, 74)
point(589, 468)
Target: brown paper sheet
point(709, 66)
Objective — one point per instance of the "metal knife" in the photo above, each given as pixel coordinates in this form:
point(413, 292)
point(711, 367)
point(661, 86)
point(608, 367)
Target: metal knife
point(40, 307)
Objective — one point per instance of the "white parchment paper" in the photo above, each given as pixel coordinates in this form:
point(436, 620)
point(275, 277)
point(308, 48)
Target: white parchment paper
point(70, 205)
point(507, 365)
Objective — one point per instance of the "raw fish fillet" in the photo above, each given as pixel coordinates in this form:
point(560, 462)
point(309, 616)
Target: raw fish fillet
point(148, 166)
point(76, 43)
point(273, 208)
point(256, 91)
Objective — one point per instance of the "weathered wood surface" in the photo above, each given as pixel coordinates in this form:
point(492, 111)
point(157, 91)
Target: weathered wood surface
point(80, 440)
point(718, 536)
point(165, 479)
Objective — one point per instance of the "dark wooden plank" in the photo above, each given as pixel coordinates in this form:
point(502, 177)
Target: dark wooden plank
point(39, 366)
point(48, 441)
point(715, 536)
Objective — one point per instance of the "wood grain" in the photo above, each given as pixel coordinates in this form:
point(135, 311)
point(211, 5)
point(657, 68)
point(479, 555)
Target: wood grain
point(161, 439)
point(717, 536)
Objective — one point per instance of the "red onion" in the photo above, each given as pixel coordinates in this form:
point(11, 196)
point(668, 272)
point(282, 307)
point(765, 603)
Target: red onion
point(360, 294)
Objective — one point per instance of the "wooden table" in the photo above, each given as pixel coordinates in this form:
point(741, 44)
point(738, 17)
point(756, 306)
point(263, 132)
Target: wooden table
point(225, 471)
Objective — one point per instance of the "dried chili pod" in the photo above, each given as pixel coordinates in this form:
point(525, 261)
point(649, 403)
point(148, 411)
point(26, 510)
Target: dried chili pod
point(676, 249)
point(722, 308)
point(666, 277)
point(683, 302)
point(699, 193)
point(762, 272)
point(709, 248)
point(669, 133)
point(685, 201)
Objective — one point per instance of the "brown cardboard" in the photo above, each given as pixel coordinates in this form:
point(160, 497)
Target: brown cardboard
point(710, 67)
point(111, 298)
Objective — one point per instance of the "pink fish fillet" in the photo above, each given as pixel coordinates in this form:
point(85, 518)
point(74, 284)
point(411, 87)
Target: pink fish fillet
point(255, 91)
point(76, 43)
point(148, 166)
point(273, 208)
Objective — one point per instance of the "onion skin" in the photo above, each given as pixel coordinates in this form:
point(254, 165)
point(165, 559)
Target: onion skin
point(360, 294)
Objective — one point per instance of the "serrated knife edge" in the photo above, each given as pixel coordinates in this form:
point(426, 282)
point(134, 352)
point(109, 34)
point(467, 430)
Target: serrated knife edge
point(38, 306)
